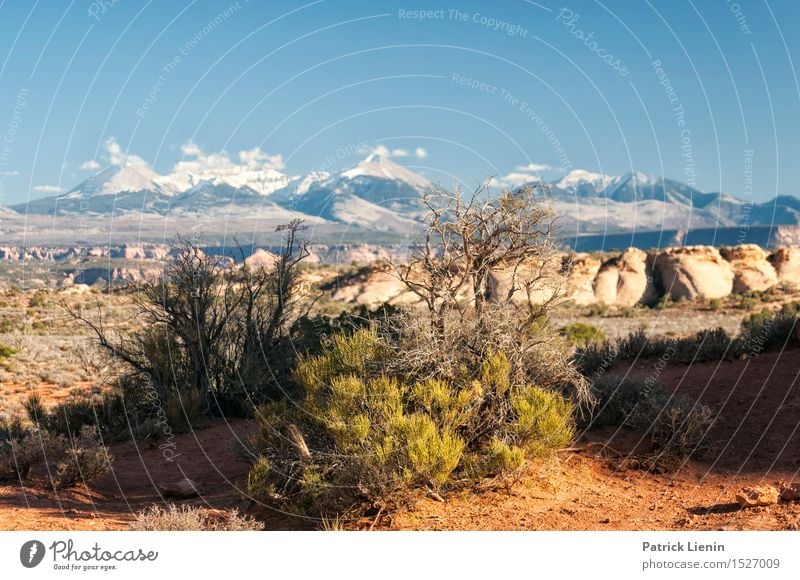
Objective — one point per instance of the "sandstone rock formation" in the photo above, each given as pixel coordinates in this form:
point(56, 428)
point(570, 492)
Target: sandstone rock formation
point(583, 269)
point(537, 281)
point(693, 272)
point(751, 270)
point(261, 259)
point(786, 262)
point(373, 287)
point(626, 280)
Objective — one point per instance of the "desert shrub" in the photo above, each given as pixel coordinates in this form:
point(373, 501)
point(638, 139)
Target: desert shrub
point(11, 430)
point(676, 426)
point(38, 299)
point(84, 459)
point(599, 309)
point(34, 447)
point(765, 329)
point(183, 410)
point(790, 308)
point(680, 426)
point(311, 333)
point(67, 461)
point(362, 436)
point(6, 351)
point(536, 353)
point(186, 518)
point(581, 333)
point(619, 400)
point(206, 328)
point(107, 412)
point(707, 345)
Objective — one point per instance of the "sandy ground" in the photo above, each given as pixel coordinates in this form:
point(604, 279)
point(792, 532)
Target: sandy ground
point(595, 486)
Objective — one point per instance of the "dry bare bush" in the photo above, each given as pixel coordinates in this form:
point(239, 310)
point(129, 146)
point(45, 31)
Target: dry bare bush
point(469, 237)
point(676, 426)
point(191, 519)
point(84, 458)
point(67, 461)
point(205, 328)
point(470, 242)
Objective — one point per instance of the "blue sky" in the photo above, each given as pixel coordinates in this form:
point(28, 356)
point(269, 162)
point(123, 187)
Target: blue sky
point(702, 91)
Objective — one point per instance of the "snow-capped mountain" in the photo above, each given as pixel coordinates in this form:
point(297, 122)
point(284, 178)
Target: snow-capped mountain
point(378, 194)
point(583, 183)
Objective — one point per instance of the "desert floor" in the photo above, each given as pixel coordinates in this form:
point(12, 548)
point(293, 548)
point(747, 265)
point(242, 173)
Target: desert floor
point(596, 485)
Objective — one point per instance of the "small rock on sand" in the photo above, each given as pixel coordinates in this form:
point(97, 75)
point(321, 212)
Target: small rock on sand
point(761, 495)
point(183, 489)
point(790, 491)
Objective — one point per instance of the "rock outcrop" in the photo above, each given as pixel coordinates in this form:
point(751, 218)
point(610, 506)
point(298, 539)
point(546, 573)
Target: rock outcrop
point(626, 280)
point(751, 270)
point(693, 272)
point(261, 259)
point(583, 269)
point(373, 287)
point(786, 262)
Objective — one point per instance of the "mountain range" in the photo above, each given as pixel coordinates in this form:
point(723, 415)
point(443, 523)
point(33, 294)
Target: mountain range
point(378, 194)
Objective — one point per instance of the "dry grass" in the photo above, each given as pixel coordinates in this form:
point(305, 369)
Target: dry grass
point(185, 518)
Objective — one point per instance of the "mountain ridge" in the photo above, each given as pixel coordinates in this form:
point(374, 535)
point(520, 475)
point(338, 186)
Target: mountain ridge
point(381, 195)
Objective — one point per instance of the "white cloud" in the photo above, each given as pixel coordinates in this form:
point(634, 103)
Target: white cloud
point(534, 167)
point(8, 173)
point(519, 178)
point(384, 151)
point(47, 188)
point(191, 149)
point(252, 167)
point(114, 151)
point(255, 157)
point(523, 174)
point(90, 165)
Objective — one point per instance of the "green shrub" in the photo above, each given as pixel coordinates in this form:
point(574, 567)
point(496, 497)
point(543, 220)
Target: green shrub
point(6, 351)
point(581, 334)
point(765, 329)
point(502, 457)
point(361, 436)
point(38, 299)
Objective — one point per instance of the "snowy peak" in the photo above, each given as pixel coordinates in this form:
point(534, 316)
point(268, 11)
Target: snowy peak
point(132, 175)
point(263, 181)
point(579, 178)
point(381, 167)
